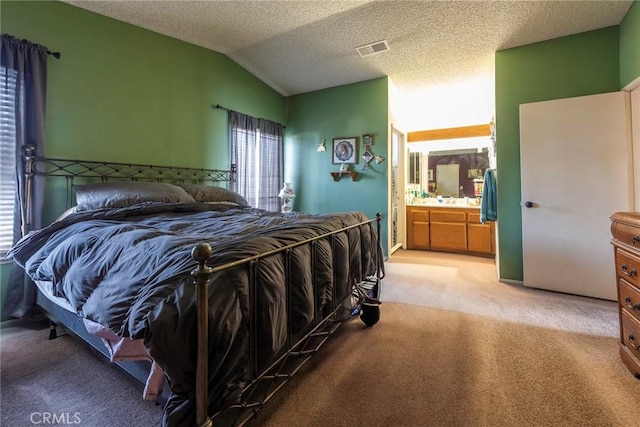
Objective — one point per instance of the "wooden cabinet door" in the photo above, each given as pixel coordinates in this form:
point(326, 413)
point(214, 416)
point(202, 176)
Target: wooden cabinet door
point(417, 228)
point(448, 230)
point(448, 236)
point(480, 238)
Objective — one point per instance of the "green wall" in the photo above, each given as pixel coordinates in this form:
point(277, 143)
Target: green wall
point(122, 93)
point(577, 65)
point(344, 111)
point(630, 45)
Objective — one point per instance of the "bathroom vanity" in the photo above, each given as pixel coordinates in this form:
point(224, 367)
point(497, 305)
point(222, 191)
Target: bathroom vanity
point(449, 227)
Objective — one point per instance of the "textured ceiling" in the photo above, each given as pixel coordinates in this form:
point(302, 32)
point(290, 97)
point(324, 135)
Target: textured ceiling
point(301, 46)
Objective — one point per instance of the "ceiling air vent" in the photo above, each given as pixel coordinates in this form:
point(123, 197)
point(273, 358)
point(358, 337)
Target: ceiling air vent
point(373, 48)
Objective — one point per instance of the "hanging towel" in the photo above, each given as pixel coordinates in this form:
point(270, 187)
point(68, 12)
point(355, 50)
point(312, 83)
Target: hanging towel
point(489, 205)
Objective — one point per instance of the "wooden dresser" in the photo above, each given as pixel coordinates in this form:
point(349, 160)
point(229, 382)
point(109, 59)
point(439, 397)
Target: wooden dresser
point(625, 228)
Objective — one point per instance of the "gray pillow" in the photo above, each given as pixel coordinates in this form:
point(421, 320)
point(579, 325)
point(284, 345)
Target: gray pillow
point(123, 194)
point(211, 194)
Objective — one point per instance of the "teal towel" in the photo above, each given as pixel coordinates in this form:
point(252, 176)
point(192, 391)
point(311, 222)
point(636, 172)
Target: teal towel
point(489, 205)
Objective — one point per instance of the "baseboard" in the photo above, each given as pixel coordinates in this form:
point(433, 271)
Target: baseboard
point(512, 282)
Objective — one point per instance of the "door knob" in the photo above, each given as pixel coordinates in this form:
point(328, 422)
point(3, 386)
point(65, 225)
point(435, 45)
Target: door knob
point(529, 204)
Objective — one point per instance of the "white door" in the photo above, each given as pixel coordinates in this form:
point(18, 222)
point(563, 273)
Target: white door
point(576, 172)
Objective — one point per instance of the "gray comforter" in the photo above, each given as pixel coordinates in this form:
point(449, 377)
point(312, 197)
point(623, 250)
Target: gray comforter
point(129, 269)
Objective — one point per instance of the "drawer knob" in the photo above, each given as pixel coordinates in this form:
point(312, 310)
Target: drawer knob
point(632, 342)
point(635, 239)
point(628, 302)
point(630, 273)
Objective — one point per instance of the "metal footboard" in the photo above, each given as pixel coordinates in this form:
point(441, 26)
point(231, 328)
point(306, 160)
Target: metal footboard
point(268, 381)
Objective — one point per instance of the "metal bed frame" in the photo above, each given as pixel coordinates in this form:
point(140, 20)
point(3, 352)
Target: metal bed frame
point(264, 383)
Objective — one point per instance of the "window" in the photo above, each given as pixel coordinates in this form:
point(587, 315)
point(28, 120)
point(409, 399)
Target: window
point(8, 165)
point(253, 165)
point(256, 149)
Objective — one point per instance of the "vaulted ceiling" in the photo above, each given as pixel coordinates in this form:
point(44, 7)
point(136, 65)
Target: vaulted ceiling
point(302, 46)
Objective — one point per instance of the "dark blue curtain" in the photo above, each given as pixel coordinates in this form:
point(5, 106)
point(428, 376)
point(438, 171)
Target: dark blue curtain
point(23, 68)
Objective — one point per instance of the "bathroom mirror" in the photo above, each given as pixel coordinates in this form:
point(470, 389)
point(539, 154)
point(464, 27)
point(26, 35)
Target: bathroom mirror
point(448, 167)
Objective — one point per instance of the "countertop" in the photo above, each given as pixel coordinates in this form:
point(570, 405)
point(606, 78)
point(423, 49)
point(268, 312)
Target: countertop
point(459, 204)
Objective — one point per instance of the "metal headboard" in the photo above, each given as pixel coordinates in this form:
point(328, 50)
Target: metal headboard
point(35, 166)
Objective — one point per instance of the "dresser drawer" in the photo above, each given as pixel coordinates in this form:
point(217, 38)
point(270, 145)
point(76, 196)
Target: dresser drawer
point(629, 298)
point(626, 233)
point(627, 266)
point(631, 333)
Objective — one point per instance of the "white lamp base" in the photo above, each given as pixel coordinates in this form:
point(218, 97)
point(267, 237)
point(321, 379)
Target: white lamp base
point(286, 206)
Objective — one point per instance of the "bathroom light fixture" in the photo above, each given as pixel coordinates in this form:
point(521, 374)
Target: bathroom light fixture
point(322, 146)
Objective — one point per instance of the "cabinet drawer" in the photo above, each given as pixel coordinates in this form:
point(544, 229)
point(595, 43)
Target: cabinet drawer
point(631, 333)
point(448, 215)
point(474, 217)
point(627, 266)
point(629, 297)
point(419, 215)
point(626, 233)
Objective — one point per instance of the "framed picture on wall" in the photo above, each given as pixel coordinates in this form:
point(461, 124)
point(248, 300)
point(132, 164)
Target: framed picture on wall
point(367, 157)
point(367, 140)
point(474, 173)
point(345, 150)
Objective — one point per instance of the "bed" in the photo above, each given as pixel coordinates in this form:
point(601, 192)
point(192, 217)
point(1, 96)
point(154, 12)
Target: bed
point(229, 301)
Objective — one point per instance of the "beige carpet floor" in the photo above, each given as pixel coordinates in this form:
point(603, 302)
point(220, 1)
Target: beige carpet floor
point(454, 347)
point(469, 284)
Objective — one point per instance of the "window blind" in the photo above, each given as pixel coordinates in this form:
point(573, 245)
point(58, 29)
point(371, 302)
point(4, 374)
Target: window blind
point(8, 93)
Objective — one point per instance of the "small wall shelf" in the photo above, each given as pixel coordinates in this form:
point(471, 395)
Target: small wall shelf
point(337, 175)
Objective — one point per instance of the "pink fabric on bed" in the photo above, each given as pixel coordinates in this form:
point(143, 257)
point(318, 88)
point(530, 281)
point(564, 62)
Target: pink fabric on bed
point(126, 349)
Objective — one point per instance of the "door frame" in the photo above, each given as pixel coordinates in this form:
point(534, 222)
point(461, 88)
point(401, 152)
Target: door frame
point(634, 113)
point(401, 223)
